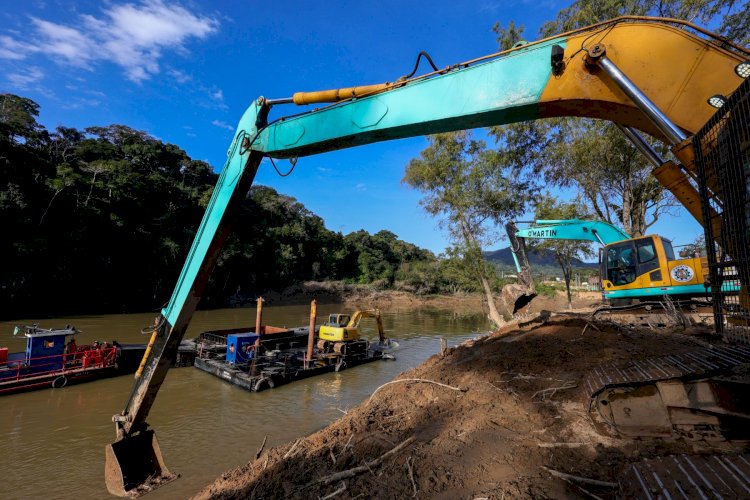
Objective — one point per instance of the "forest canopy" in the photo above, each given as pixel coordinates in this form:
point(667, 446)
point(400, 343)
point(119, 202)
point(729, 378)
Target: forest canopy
point(101, 219)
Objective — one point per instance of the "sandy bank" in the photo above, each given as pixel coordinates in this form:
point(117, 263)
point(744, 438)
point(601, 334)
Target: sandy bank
point(508, 404)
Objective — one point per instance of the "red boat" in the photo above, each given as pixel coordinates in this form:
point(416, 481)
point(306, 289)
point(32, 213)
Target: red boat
point(50, 361)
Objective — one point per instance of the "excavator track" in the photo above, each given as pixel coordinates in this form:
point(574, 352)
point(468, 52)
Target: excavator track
point(686, 476)
point(695, 394)
point(654, 314)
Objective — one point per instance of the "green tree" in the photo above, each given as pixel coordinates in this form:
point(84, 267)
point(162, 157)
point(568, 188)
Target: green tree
point(18, 119)
point(466, 186)
point(593, 156)
point(608, 172)
point(101, 220)
point(550, 208)
point(695, 249)
point(730, 13)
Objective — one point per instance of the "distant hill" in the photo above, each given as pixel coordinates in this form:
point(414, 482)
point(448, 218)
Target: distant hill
point(542, 261)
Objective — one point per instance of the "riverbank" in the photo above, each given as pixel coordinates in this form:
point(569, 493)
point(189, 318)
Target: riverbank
point(366, 297)
point(482, 420)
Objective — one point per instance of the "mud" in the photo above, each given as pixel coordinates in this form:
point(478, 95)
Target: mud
point(510, 404)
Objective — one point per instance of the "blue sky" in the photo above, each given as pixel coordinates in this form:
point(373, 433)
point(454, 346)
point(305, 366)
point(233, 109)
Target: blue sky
point(185, 71)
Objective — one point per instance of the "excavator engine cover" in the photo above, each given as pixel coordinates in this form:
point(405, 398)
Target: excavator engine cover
point(134, 465)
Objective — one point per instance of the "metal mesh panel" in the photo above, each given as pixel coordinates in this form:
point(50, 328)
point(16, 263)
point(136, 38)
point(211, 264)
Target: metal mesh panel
point(722, 150)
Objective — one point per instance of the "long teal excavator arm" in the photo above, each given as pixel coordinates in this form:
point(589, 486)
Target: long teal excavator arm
point(641, 73)
point(564, 229)
point(574, 229)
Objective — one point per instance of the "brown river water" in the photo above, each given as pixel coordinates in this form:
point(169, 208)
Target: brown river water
point(52, 440)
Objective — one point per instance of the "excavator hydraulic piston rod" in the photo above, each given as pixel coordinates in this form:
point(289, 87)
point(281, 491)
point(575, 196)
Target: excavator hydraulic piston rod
point(644, 147)
point(673, 134)
point(336, 95)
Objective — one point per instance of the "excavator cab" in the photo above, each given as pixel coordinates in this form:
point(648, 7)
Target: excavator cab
point(339, 328)
point(338, 320)
point(621, 264)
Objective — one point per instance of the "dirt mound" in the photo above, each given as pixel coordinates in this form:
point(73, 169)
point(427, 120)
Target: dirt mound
point(481, 421)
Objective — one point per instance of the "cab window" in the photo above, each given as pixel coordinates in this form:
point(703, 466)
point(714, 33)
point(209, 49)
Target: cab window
point(621, 264)
point(646, 251)
point(668, 250)
point(647, 259)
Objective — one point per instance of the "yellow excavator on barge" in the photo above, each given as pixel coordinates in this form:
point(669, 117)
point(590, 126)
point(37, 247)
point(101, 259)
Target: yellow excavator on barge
point(341, 333)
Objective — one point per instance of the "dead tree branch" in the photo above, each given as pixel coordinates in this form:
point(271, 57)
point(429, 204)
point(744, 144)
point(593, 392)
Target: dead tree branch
point(414, 380)
point(364, 468)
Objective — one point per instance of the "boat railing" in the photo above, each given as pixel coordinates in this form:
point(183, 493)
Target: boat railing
point(84, 358)
point(212, 338)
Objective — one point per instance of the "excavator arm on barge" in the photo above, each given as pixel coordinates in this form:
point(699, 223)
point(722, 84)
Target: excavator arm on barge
point(647, 74)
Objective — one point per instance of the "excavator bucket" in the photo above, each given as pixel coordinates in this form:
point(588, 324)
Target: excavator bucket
point(134, 465)
point(517, 296)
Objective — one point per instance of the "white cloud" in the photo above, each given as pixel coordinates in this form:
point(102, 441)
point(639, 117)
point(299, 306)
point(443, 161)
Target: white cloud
point(133, 36)
point(180, 76)
point(23, 80)
point(360, 187)
point(221, 124)
point(13, 49)
point(81, 102)
point(66, 42)
point(217, 99)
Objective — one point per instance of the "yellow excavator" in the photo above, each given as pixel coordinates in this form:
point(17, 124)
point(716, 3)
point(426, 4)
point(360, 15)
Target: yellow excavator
point(664, 77)
point(341, 333)
point(641, 269)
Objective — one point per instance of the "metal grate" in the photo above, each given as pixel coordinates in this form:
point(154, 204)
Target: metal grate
point(722, 150)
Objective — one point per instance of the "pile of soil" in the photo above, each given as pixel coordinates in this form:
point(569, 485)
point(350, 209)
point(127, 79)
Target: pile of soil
point(508, 404)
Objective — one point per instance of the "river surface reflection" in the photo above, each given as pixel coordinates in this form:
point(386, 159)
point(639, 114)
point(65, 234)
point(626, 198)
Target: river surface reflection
point(53, 439)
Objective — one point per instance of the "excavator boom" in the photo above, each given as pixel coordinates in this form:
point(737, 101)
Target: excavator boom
point(651, 75)
point(574, 229)
point(521, 85)
point(370, 313)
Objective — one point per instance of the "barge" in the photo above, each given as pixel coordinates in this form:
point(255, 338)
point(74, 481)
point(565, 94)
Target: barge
point(52, 359)
point(263, 357)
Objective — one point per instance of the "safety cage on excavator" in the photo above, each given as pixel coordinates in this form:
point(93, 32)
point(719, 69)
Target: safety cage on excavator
point(722, 151)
